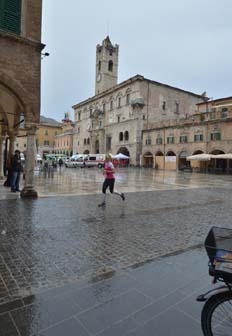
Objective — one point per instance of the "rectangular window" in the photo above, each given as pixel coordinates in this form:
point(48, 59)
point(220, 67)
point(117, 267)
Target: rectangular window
point(183, 139)
point(46, 132)
point(128, 99)
point(104, 107)
point(198, 137)
point(215, 136)
point(119, 102)
point(118, 119)
point(159, 141)
point(111, 105)
point(108, 143)
point(177, 108)
point(170, 140)
point(79, 116)
point(46, 143)
point(212, 115)
point(10, 16)
point(164, 105)
point(224, 113)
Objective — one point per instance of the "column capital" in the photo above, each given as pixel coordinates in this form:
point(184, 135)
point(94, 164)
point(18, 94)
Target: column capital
point(31, 128)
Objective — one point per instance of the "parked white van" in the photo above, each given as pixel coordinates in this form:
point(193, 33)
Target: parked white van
point(76, 161)
point(94, 160)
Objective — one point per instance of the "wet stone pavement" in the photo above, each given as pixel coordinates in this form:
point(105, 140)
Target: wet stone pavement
point(70, 267)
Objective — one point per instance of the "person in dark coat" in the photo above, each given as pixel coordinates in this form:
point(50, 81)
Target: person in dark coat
point(16, 168)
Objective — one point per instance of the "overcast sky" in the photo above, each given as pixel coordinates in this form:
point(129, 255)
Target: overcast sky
point(183, 43)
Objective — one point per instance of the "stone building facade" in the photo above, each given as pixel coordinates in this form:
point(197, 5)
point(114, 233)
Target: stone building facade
point(209, 130)
point(115, 118)
point(64, 140)
point(20, 71)
point(46, 134)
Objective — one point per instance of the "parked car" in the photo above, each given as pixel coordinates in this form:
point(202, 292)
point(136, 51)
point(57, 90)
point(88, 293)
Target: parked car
point(94, 160)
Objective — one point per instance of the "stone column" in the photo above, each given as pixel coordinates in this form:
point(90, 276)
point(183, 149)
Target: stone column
point(28, 190)
point(1, 158)
point(11, 146)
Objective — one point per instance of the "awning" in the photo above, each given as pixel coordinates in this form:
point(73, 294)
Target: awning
point(208, 157)
point(223, 156)
point(200, 157)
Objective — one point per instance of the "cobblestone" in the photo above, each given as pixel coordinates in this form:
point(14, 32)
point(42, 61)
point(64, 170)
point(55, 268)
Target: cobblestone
point(53, 241)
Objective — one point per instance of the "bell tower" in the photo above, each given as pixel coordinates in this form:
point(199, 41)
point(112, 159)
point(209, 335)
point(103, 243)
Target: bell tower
point(106, 66)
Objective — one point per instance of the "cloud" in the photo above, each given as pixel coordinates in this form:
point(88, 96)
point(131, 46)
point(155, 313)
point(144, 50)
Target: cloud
point(184, 43)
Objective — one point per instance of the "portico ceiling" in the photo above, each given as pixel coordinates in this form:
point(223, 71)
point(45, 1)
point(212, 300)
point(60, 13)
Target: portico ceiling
point(10, 109)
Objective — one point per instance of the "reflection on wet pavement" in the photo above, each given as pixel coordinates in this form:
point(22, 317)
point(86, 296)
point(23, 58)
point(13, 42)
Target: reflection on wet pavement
point(78, 181)
point(65, 263)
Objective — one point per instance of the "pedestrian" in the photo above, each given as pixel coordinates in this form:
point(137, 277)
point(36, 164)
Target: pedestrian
point(16, 168)
point(109, 180)
point(60, 162)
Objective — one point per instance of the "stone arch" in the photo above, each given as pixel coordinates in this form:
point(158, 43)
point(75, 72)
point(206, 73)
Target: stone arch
point(15, 89)
point(86, 151)
point(159, 153)
point(217, 151)
point(198, 151)
point(170, 153)
point(182, 159)
point(123, 150)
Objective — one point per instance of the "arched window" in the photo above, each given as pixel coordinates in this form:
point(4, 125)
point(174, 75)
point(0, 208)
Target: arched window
point(110, 66)
point(120, 136)
point(84, 141)
point(126, 136)
point(88, 141)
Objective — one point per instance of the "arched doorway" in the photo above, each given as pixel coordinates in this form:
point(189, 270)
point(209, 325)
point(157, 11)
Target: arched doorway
point(123, 150)
point(218, 166)
point(148, 160)
point(170, 160)
point(182, 162)
point(159, 160)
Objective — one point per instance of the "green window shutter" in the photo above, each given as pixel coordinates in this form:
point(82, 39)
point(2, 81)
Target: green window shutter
point(10, 16)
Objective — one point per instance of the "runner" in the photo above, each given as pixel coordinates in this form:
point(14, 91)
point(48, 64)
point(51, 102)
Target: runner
point(109, 180)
